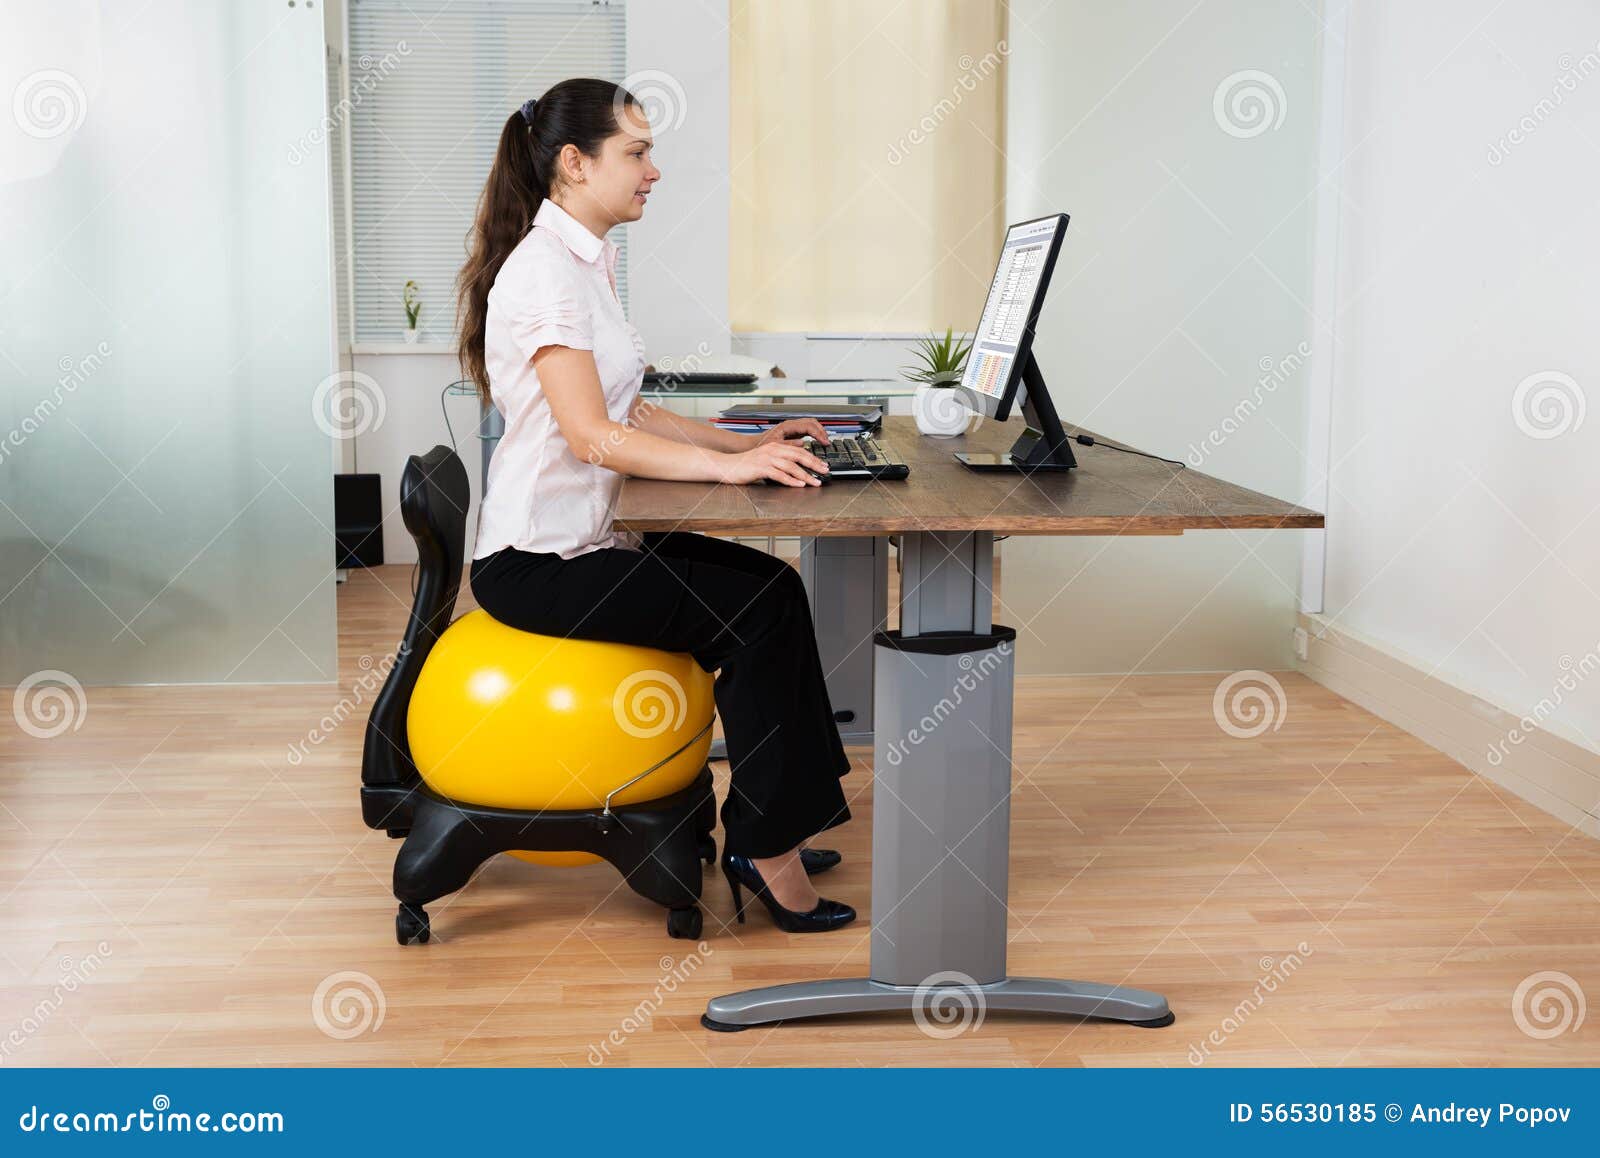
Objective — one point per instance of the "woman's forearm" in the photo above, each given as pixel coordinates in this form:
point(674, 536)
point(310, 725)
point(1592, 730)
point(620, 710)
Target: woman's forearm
point(637, 450)
point(651, 416)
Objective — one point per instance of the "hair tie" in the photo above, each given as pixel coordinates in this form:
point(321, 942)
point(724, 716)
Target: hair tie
point(528, 110)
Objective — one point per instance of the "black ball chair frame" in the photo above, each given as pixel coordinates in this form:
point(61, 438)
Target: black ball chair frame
point(657, 845)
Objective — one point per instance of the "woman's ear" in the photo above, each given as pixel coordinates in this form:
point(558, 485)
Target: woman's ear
point(570, 163)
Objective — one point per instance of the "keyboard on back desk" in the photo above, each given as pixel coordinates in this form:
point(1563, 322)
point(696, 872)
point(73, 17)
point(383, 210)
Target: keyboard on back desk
point(852, 458)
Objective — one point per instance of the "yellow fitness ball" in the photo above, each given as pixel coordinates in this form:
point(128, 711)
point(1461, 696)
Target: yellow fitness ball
point(508, 719)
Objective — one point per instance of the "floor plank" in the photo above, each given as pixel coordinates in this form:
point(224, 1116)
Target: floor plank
point(174, 889)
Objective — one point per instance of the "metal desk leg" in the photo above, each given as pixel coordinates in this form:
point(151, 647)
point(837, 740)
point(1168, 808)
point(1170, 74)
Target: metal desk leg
point(848, 582)
point(941, 818)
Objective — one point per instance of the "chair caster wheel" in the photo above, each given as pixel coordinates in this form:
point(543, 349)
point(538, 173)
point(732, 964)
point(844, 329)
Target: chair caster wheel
point(684, 924)
point(398, 833)
point(708, 849)
point(411, 925)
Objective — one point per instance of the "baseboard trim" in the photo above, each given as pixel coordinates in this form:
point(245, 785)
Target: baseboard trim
point(1550, 772)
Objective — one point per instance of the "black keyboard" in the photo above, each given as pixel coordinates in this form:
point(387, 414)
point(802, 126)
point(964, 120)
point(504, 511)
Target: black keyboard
point(691, 379)
point(859, 458)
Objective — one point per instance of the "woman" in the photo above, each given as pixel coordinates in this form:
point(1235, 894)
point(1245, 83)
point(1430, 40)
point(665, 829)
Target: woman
point(544, 337)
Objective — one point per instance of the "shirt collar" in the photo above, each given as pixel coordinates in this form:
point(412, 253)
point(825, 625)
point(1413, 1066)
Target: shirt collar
point(585, 245)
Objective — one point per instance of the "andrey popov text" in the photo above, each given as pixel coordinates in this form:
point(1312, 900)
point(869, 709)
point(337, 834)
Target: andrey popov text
point(1360, 1113)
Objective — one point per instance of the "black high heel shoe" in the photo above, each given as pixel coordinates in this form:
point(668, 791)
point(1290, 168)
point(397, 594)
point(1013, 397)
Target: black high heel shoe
point(819, 860)
point(827, 915)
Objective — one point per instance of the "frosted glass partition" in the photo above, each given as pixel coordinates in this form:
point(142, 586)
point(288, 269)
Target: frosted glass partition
point(1182, 141)
point(165, 325)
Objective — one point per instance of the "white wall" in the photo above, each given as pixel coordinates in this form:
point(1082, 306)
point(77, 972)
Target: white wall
point(678, 254)
point(1470, 232)
point(1186, 270)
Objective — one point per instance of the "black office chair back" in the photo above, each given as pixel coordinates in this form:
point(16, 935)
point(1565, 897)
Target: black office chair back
point(434, 498)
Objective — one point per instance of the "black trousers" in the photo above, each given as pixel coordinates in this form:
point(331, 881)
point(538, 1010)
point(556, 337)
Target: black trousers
point(733, 608)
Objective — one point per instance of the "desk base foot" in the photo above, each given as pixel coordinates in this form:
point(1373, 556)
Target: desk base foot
point(775, 1003)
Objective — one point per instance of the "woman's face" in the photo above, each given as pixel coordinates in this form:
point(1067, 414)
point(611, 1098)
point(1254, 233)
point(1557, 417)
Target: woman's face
point(618, 181)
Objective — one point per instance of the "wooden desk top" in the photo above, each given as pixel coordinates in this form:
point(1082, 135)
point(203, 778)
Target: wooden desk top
point(1111, 493)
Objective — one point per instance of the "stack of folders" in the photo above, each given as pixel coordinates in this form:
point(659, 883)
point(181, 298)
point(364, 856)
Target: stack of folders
point(846, 420)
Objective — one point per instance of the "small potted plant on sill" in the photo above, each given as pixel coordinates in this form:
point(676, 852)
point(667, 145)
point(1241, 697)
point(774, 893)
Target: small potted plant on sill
point(938, 406)
point(413, 303)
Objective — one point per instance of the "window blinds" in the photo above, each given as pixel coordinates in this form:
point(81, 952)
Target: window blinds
point(430, 85)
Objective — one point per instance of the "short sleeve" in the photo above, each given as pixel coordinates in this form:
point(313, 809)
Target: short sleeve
point(548, 307)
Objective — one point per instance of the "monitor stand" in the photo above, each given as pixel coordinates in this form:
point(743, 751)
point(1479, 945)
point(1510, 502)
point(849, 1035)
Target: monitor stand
point(1043, 445)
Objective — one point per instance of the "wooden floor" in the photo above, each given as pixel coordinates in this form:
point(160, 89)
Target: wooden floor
point(176, 891)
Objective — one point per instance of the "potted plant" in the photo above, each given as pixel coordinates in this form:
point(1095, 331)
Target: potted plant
point(413, 303)
point(938, 406)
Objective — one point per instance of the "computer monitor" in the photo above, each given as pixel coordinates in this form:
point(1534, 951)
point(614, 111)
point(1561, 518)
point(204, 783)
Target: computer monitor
point(1002, 350)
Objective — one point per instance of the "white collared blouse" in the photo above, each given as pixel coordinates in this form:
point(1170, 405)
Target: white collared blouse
point(558, 288)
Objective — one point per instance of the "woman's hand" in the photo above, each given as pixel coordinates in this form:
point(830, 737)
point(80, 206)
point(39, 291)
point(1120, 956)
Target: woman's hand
point(785, 462)
point(791, 428)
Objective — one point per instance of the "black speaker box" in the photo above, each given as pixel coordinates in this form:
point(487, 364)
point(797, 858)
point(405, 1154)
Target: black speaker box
point(357, 520)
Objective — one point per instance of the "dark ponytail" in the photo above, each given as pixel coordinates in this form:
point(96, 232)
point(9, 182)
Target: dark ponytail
point(581, 112)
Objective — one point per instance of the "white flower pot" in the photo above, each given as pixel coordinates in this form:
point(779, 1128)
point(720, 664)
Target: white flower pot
point(411, 337)
point(941, 411)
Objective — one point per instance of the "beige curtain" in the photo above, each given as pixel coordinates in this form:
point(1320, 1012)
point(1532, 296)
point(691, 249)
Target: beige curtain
point(867, 173)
